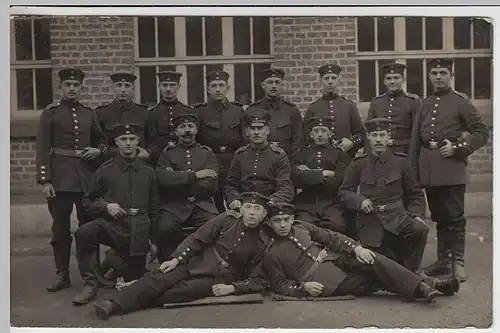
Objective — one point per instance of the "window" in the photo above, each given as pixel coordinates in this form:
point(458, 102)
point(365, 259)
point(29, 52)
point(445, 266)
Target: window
point(413, 40)
point(31, 73)
point(196, 45)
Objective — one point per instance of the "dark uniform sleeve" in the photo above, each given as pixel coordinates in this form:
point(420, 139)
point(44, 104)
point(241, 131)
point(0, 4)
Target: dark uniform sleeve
point(93, 202)
point(296, 129)
point(43, 145)
point(411, 191)
point(479, 132)
point(348, 192)
point(97, 137)
point(357, 129)
point(343, 162)
point(280, 283)
point(231, 186)
point(302, 178)
point(154, 209)
point(284, 188)
point(208, 186)
point(168, 177)
point(371, 112)
point(256, 281)
point(335, 241)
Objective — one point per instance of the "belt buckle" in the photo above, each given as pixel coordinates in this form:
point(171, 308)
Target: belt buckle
point(381, 208)
point(224, 264)
point(133, 211)
point(433, 144)
point(222, 149)
point(78, 153)
point(191, 199)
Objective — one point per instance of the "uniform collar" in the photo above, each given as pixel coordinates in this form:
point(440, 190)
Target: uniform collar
point(124, 105)
point(396, 93)
point(175, 101)
point(186, 147)
point(442, 92)
point(70, 104)
point(259, 149)
point(125, 164)
point(218, 105)
point(321, 147)
point(330, 97)
point(382, 158)
point(274, 103)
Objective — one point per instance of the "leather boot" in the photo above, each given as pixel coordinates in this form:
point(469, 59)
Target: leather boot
point(447, 287)
point(458, 266)
point(62, 282)
point(442, 265)
point(105, 308)
point(88, 270)
point(426, 292)
point(61, 257)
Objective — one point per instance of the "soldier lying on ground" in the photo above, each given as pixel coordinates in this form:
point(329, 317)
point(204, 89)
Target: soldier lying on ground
point(307, 260)
point(221, 258)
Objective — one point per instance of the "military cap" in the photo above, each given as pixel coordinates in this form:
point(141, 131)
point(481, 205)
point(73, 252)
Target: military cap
point(319, 121)
point(256, 117)
point(217, 75)
point(272, 72)
point(440, 63)
point(377, 124)
point(329, 69)
point(186, 118)
point(169, 76)
point(393, 68)
point(254, 198)
point(280, 208)
point(71, 74)
point(123, 77)
point(125, 129)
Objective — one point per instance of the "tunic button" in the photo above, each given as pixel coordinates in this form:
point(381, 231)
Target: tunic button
point(255, 167)
point(388, 117)
point(76, 121)
point(436, 105)
point(235, 244)
point(433, 118)
point(73, 109)
point(256, 160)
point(188, 156)
point(254, 174)
point(74, 115)
point(432, 125)
point(438, 98)
point(187, 151)
point(76, 140)
point(188, 162)
point(434, 111)
point(390, 111)
point(242, 233)
point(76, 127)
point(239, 239)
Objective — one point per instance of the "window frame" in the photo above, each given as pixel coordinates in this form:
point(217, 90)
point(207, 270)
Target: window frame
point(181, 60)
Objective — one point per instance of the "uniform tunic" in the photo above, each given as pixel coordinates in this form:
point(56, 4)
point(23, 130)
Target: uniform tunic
point(265, 170)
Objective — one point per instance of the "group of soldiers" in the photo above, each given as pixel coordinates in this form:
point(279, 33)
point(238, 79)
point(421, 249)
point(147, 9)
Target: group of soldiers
point(235, 199)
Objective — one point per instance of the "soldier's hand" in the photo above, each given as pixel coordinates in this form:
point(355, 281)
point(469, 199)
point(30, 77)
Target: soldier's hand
point(169, 265)
point(205, 173)
point(235, 204)
point(328, 173)
point(153, 252)
point(313, 288)
point(447, 150)
point(90, 153)
point(345, 145)
point(303, 167)
point(222, 289)
point(48, 190)
point(142, 154)
point(419, 219)
point(367, 206)
point(115, 210)
point(364, 256)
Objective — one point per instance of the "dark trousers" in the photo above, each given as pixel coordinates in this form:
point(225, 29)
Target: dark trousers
point(219, 201)
point(363, 279)
point(60, 208)
point(332, 217)
point(172, 230)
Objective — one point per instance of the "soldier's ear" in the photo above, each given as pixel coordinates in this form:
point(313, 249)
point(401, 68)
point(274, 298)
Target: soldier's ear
point(391, 141)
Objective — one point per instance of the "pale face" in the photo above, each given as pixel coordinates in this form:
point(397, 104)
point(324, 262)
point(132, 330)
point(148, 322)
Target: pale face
point(186, 132)
point(282, 224)
point(330, 83)
point(393, 82)
point(252, 214)
point(169, 90)
point(272, 87)
point(218, 90)
point(379, 140)
point(440, 78)
point(257, 134)
point(320, 135)
point(127, 144)
point(123, 91)
point(71, 89)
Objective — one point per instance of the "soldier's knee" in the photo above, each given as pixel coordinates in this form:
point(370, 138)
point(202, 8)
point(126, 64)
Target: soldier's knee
point(85, 232)
point(420, 229)
point(168, 227)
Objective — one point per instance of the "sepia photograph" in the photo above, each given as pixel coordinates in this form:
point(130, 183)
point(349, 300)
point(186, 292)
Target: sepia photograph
point(251, 171)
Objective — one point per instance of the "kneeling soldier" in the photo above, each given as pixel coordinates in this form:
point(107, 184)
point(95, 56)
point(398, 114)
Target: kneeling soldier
point(384, 178)
point(124, 194)
point(305, 260)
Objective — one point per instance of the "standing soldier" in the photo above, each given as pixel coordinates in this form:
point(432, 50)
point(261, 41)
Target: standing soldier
point(220, 127)
point(123, 110)
point(286, 121)
point(69, 138)
point(384, 178)
point(123, 194)
point(439, 152)
point(318, 169)
point(187, 174)
point(347, 128)
point(396, 105)
point(162, 130)
point(259, 166)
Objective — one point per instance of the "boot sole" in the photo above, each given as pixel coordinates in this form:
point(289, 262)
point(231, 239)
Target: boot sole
point(84, 301)
point(431, 296)
point(101, 312)
point(58, 288)
point(441, 271)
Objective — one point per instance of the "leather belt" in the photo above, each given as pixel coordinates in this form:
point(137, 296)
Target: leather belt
point(319, 259)
point(432, 145)
point(389, 206)
point(222, 262)
point(135, 211)
point(66, 152)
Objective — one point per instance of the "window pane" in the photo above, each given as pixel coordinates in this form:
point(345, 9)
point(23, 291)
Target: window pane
point(171, 68)
point(147, 81)
point(213, 35)
point(258, 68)
point(414, 76)
point(23, 39)
point(24, 80)
point(482, 78)
point(385, 33)
point(413, 33)
point(242, 83)
point(366, 79)
point(166, 36)
point(195, 84)
point(261, 35)
point(461, 31)
point(366, 34)
point(42, 39)
point(241, 35)
point(43, 78)
point(194, 37)
point(463, 75)
point(214, 67)
point(146, 36)
point(381, 87)
point(482, 34)
point(433, 33)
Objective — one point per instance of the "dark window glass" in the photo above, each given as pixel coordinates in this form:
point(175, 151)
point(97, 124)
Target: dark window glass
point(42, 39)
point(381, 86)
point(366, 79)
point(146, 36)
point(214, 67)
point(258, 77)
point(482, 78)
point(194, 39)
point(366, 34)
point(385, 34)
point(241, 35)
point(429, 88)
point(166, 36)
point(433, 33)
point(171, 68)
point(482, 34)
point(213, 35)
point(413, 33)
point(261, 35)
point(414, 76)
point(463, 75)
point(24, 80)
point(242, 83)
point(149, 87)
point(195, 84)
point(22, 29)
point(43, 78)
point(461, 31)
